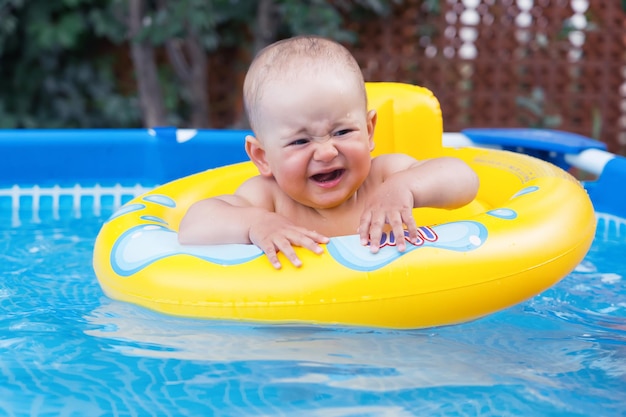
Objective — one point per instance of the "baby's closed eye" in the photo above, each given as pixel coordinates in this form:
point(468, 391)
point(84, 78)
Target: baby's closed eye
point(298, 142)
point(342, 132)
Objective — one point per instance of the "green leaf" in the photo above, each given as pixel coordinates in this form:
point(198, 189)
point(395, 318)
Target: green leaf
point(69, 29)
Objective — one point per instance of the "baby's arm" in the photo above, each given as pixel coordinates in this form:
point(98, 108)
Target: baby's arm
point(234, 219)
point(407, 184)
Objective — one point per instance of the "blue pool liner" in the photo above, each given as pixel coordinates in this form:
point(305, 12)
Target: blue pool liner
point(608, 192)
point(87, 156)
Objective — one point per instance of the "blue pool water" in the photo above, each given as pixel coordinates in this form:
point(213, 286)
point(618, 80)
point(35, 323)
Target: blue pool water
point(68, 350)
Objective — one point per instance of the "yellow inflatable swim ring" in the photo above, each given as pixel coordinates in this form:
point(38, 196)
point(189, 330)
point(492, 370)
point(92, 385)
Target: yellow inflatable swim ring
point(529, 226)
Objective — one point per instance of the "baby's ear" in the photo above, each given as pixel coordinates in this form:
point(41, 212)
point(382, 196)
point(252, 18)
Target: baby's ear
point(256, 153)
point(372, 117)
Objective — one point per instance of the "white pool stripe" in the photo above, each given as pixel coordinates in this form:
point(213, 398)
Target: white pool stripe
point(608, 222)
point(76, 192)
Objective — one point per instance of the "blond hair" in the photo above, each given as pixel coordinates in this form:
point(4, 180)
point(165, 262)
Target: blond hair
point(291, 60)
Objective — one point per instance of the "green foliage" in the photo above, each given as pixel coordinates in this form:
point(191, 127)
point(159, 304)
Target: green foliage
point(8, 20)
point(109, 21)
point(56, 78)
point(312, 17)
point(49, 32)
point(326, 18)
point(213, 21)
point(58, 57)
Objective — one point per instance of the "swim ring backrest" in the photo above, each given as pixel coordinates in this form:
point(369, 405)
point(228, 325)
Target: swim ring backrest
point(409, 119)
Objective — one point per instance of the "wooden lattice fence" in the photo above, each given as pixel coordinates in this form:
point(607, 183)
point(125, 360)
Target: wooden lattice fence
point(509, 63)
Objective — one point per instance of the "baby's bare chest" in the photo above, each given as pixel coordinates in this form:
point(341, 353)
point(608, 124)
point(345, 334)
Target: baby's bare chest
point(338, 222)
point(335, 225)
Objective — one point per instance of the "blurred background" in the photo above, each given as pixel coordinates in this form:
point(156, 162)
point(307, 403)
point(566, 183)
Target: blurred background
point(492, 63)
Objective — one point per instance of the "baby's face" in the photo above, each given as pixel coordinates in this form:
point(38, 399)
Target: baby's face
point(317, 137)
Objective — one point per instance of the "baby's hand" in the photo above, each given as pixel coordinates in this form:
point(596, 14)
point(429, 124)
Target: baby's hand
point(273, 233)
point(391, 204)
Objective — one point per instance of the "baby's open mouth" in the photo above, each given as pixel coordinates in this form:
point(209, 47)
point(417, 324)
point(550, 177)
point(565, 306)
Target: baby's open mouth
point(328, 176)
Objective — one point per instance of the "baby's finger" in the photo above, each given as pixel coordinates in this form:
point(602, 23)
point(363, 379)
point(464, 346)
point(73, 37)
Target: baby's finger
point(309, 239)
point(272, 256)
point(397, 227)
point(376, 231)
point(364, 228)
point(312, 245)
point(411, 226)
point(317, 237)
point(285, 246)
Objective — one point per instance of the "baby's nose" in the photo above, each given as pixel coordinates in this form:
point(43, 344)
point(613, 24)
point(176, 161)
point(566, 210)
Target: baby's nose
point(325, 150)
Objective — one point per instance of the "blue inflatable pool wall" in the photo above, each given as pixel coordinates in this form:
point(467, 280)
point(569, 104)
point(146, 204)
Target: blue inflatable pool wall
point(108, 156)
point(154, 156)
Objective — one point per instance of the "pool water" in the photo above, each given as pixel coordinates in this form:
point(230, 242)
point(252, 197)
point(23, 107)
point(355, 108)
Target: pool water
point(68, 350)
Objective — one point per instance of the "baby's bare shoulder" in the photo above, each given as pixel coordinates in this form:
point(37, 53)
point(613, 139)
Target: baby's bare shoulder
point(389, 163)
point(259, 191)
point(255, 183)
